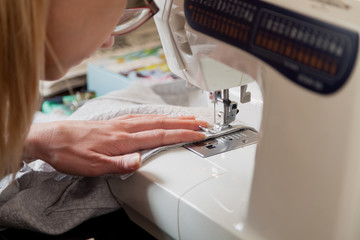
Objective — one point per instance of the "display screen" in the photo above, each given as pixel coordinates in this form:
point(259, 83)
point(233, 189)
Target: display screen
point(309, 52)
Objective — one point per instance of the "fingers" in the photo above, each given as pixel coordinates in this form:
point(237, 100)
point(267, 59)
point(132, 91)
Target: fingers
point(134, 116)
point(137, 116)
point(103, 164)
point(125, 164)
point(159, 137)
point(145, 124)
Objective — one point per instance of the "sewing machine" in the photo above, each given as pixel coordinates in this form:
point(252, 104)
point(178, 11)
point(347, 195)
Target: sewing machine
point(301, 179)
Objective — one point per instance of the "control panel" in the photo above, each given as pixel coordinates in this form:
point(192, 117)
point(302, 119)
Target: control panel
point(312, 53)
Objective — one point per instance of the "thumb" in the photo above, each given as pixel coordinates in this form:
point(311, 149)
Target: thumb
point(127, 163)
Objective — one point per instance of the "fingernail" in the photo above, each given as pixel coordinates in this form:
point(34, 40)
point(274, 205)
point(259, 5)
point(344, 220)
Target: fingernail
point(201, 136)
point(202, 123)
point(134, 161)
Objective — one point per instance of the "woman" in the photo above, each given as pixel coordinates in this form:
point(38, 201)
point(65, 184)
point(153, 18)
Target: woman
point(43, 39)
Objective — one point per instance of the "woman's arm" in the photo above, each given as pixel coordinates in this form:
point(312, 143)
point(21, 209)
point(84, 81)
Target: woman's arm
point(93, 148)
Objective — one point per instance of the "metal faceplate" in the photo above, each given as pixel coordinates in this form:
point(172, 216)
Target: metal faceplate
point(224, 143)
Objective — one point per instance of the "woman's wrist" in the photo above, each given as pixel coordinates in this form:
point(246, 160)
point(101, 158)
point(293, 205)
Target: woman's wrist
point(35, 143)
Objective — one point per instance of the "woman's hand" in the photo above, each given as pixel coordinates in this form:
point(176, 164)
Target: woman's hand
point(93, 148)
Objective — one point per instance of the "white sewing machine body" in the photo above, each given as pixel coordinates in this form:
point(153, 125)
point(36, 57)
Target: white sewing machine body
point(301, 181)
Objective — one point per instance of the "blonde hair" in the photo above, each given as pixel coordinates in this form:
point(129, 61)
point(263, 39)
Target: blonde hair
point(22, 43)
